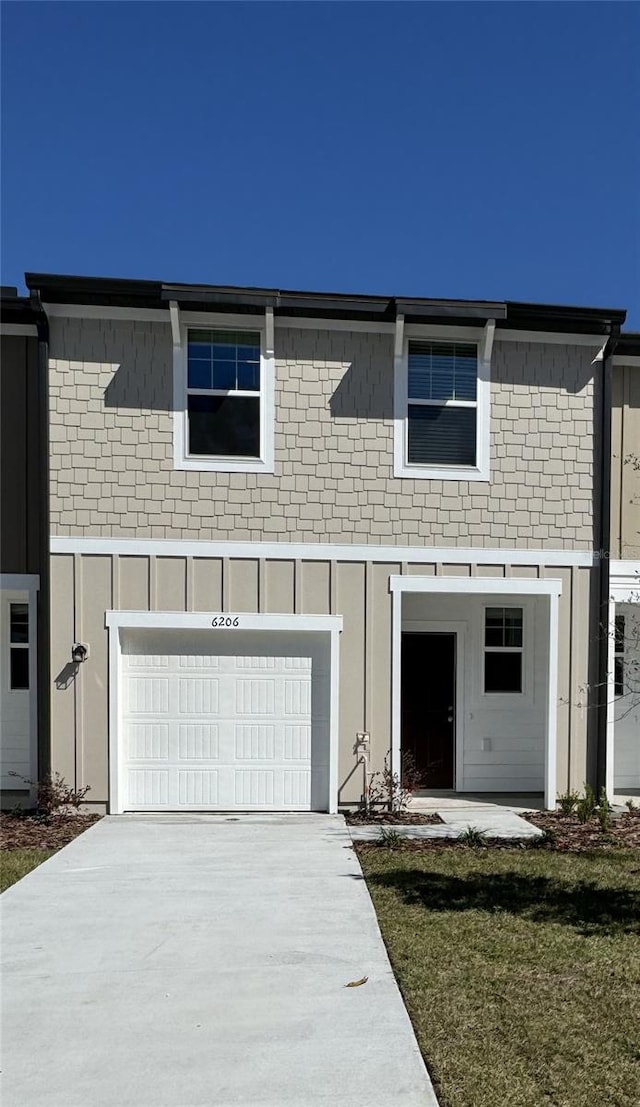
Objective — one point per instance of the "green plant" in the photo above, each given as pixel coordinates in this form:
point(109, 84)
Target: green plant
point(568, 802)
point(586, 806)
point(631, 806)
point(547, 840)
point(604, 810)
point(472, 836)
point(53, 795)
point(389, 837)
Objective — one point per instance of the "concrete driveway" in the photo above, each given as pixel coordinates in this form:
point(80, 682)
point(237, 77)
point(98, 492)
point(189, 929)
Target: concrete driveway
point(200, 960)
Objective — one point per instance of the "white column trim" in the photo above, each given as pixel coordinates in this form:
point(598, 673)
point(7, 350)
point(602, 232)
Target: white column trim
point(551, 736)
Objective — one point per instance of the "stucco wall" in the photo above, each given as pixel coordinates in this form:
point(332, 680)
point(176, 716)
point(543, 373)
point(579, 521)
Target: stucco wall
point(85, 586)
point(112, 447)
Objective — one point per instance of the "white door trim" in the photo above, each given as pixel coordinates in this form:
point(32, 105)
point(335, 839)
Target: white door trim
point(459, 628)
point(486, 586)
point(117, 621)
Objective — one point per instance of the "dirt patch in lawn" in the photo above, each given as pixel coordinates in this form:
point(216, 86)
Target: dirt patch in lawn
point(40, 832)
point(392, 818)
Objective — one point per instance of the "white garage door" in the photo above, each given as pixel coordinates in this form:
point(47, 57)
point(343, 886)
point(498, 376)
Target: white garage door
point(203, 730)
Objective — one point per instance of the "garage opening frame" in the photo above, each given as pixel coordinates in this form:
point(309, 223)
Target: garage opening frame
point(118, 622)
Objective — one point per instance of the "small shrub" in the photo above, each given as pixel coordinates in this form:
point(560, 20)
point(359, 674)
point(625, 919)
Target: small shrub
point(54, 796)
point(631, 806)
point(389, 837)
point(547, 840)
point(472, 836)
point(568, 802)
point(393, 790)
point(604, 811)
point(586, 806)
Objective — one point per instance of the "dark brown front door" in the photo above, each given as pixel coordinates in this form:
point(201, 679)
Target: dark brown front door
point(428, 705)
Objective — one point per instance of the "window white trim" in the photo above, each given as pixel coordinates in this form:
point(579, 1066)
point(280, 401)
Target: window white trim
point(483, 339)
point(117, 621)
point(23, 588)
point(201, 463)
point(524, 694)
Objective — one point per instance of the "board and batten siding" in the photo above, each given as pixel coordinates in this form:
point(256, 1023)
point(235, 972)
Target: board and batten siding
point(625, 463)
point(85, 586)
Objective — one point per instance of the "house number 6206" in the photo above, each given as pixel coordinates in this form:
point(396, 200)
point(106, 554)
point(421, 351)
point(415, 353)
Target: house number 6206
point(225, 621)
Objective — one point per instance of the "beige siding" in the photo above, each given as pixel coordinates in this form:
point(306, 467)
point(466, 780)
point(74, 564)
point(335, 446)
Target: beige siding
point(112, 447)
point(82, 592)
point(625, 472)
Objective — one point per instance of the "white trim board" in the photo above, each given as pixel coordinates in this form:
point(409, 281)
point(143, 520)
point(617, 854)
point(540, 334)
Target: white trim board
point(322, 551)
point(116, 621)
point(478, 586)
point(20, 582)
point(631, 360)
point(158, 315)
point(19, 330)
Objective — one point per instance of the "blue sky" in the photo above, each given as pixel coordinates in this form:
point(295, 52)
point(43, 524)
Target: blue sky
point(482, 150)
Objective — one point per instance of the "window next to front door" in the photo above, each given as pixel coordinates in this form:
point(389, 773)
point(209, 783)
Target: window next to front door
point(503, 649)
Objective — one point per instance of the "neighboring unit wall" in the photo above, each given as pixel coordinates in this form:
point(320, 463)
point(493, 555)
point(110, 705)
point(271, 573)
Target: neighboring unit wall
point(112, 447)
point(19, 491)
point(85, 586)
point(625, 470)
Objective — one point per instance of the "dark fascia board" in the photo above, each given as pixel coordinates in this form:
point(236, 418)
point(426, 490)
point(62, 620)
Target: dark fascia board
point(103, 291)
point(628, 343)
point(17, 309)
point(557, 317)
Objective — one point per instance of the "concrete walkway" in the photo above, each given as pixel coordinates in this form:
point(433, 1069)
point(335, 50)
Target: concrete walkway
point(201, 961)
point(492, 821)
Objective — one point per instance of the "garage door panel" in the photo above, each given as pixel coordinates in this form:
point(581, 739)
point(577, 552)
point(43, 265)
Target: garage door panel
point(197, 741)
point(221, 730)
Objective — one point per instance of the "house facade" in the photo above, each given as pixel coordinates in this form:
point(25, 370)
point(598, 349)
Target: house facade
point(23, 542)
point(623, 744)
point(295, 535)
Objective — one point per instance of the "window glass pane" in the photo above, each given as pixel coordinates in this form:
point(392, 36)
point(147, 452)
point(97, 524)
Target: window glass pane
point(618, 676)
point(224, 426)
point(503, 626)
point(224, 374)
point(199, 373)
point(442, 371)
point(19, 669)
point(513, 626)
point(619, 635)
point(225, 360)
point(503, 672)
point(19, 622)
point(248, 375)
point(441, 435)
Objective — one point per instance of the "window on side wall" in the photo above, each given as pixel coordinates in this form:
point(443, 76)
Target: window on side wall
point(503, 650)
point(443, 416)
point(18, 647)
point(618, 661)
point(228, 401)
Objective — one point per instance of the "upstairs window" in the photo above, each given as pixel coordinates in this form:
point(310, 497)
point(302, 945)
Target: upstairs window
point(224, 400)
point(223, 393)
point(442, 402)
point(18, 647)
point(441, 411)
point(503, 648)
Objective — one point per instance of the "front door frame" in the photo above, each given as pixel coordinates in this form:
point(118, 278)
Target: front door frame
point(436, 626)
point(549, 587)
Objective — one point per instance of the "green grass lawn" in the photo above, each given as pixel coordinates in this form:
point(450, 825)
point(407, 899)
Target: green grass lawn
point(16, 863)
point(520, 970)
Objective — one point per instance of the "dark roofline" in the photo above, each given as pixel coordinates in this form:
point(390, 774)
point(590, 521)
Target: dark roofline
point(105, 291)
point(629, 344)
point(16, 309)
